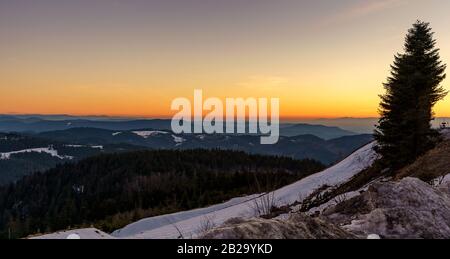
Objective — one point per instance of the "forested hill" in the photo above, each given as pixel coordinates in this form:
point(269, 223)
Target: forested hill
point(110, 191)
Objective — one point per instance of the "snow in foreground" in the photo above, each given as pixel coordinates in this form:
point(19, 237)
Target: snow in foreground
point(188, 223)
point(86, 233)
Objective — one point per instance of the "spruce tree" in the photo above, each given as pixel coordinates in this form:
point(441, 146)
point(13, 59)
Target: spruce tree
point(404, 131)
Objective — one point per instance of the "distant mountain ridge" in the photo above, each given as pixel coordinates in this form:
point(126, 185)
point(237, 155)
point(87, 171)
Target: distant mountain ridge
point(352, 124)
point(38, 124)
point(299, 147)
point(324, 132)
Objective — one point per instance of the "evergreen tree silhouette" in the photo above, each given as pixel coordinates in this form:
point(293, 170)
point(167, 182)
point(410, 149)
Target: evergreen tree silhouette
point(404, 130)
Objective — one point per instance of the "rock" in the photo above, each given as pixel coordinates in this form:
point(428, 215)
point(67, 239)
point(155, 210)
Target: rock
point(409, 208)
point(404, 209)
point(373, 236)
point(445, 187)
point(298, 226)
point(73, 236)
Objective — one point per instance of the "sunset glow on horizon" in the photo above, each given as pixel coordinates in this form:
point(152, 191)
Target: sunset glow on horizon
point(323, 59)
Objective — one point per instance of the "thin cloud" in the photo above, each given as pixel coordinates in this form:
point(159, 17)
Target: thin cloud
point(363, 9)
point(370, 7)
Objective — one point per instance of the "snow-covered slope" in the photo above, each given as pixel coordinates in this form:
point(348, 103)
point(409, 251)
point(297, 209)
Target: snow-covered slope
point(189, 223)
point(173, 219)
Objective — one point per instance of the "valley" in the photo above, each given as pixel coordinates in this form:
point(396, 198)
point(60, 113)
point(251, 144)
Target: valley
point(26, 153)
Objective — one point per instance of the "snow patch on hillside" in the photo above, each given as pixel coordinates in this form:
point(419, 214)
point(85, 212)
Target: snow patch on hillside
point(149, 133)
point(48, 150)
point(74, 146)
point(178, 140)
point(80, 146)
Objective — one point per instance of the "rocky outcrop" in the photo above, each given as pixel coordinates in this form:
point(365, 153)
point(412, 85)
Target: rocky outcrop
point(409, 208)
point(403, 209)
point(298, 226)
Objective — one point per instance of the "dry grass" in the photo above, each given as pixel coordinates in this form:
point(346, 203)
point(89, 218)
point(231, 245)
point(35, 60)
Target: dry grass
point(433, 164)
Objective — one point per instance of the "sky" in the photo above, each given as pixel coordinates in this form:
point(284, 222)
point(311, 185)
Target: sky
point(322, 58)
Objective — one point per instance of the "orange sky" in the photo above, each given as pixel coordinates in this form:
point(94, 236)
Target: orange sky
point(132, 58)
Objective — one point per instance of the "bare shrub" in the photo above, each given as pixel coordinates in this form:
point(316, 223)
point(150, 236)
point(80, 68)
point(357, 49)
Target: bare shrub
point(264, 204)
point(441, 179)
point(319, 196)
point(301, 197)
point(340, 198)
point(206, 224)
point(180, 234)
point(437, 181)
